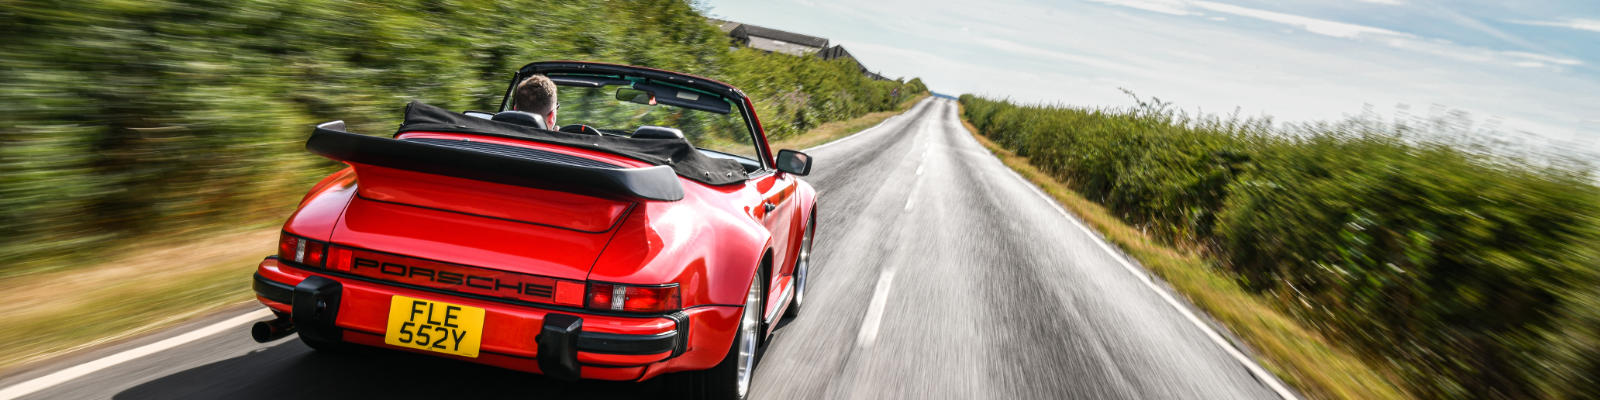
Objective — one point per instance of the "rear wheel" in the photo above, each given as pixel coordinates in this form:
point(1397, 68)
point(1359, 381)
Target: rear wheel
point(730, 379)
point(802, 267)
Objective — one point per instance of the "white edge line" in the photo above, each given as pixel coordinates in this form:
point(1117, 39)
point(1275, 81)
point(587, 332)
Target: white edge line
point(1249, 364)
point(858, 133)
point(80, 370)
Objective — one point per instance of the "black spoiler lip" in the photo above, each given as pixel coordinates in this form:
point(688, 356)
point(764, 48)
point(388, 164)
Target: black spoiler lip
point(651, 183)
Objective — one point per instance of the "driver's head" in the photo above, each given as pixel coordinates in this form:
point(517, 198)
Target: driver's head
point(537, 95)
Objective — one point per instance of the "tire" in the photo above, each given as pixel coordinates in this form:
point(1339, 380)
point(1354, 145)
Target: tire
point(731, 378)
point(802, 268)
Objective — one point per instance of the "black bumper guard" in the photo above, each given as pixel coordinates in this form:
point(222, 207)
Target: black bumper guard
point(562, 337)
point(315, 305)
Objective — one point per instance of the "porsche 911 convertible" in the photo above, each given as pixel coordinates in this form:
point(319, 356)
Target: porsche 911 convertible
point(659, 235)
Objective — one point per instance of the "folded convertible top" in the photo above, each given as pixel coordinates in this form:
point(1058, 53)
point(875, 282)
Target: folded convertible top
point(678, 154)
point(509, 165)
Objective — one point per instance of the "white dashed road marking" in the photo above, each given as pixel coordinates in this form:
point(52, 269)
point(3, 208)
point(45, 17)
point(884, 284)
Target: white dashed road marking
point(880, 298)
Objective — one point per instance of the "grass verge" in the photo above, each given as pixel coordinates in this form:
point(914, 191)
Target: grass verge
point(1298, 355)
point(835, 130)
point(51, 313)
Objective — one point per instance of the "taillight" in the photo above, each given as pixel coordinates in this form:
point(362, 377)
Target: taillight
point(339, 259)
point(628, 298)
point(301, 250)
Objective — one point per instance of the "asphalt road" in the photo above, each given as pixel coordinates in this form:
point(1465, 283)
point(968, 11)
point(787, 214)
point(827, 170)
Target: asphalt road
point(937, 274)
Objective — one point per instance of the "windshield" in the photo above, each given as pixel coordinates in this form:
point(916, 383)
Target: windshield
point(703, 126)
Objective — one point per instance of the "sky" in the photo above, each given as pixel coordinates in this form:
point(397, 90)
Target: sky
point(1527, 69)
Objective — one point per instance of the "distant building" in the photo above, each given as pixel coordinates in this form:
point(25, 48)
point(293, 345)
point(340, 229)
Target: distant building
point(838, 52)
point(724, 25)
point(773, 40)
point(835, 52)
point(776, 41)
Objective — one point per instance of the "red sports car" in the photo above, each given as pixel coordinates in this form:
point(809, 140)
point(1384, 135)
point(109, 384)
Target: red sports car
point(659, 235)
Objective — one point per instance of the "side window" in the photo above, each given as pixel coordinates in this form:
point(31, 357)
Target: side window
point(733, 139)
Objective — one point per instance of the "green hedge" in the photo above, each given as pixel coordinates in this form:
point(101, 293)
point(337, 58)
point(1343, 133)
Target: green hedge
point(1467, 274)
point(123, 119)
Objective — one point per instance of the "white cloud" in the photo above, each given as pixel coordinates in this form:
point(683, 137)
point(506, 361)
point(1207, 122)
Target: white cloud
point(1026, 50)
point(1173, 7)
point(1456, 17)
point(1582, 24)
point(1313, 25)
point(1541, 58)
point(1391, 38)
point(1480, 55)
point(1384, 2)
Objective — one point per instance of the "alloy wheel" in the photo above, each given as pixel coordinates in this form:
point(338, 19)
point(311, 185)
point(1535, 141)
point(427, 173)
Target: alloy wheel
point(749, 334)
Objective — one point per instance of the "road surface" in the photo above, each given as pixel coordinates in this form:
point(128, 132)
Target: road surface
point(937, 274)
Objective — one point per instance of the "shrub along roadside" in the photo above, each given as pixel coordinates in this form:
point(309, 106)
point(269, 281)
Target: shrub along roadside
point(1463, 274)
point(130, 120)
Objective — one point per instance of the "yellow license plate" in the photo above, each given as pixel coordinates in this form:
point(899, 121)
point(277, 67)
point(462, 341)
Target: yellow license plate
point(434, 326)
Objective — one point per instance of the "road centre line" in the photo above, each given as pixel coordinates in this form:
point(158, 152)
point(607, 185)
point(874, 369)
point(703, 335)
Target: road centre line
point(916, 181)
point(880, 298)
point(921, 161)
point(880, 294)
point(912, 196)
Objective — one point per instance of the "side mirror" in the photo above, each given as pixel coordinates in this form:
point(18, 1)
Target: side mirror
point(794, 162)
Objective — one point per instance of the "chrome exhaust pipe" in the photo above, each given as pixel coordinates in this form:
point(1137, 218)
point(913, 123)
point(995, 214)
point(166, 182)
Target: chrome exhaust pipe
point(267, 331)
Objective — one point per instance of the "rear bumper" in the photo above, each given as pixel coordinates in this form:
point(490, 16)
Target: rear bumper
point(559, 342)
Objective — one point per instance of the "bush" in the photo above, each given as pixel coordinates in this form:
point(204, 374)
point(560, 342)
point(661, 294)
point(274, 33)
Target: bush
point(1468, 274)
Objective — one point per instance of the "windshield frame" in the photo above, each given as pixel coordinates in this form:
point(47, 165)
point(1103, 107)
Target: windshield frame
point(733, 96)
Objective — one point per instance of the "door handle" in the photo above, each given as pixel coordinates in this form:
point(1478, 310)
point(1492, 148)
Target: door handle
point(769, 206)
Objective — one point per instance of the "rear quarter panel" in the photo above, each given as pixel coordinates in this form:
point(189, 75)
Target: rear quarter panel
point(321, 207)
point(708, 243)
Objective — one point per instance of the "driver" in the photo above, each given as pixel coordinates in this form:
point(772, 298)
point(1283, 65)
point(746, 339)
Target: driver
point(537, 95)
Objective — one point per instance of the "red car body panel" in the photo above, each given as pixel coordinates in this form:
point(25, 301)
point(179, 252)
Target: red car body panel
point(710, 243)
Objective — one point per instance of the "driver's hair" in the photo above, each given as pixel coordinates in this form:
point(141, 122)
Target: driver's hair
point(536, 94)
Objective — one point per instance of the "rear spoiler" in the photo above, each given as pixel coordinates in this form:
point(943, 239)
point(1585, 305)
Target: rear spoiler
point(653, 183)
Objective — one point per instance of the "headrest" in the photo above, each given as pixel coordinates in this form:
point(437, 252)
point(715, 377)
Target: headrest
point(657, 132)
point(523, 118)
